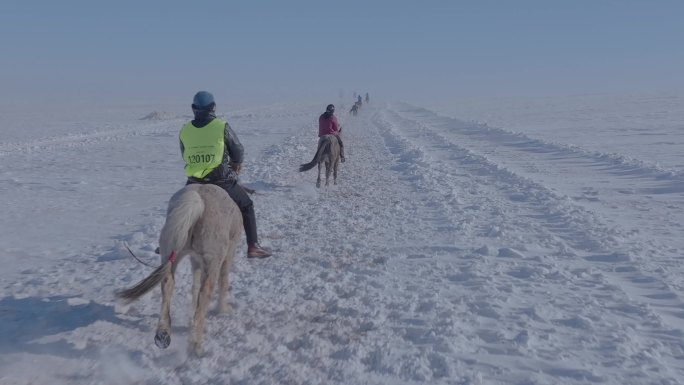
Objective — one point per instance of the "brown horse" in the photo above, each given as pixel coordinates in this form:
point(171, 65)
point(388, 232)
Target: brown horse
point(202, 221)
point(329, 153)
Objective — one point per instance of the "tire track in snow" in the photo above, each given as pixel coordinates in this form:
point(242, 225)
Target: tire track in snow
point(584, 232)
point(483, 299)
point(475, 174)
point(640, 195)
point(655, 253)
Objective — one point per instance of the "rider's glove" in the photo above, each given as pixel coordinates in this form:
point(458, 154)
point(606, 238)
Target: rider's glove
point(236, 167)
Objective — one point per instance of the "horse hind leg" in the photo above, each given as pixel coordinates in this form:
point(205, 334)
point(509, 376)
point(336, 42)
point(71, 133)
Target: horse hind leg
point(337, 162)
point(162, 337)
point(196, 280)
point(224, 283)
point(328, 170)
point(209, 275)
point(318, 180)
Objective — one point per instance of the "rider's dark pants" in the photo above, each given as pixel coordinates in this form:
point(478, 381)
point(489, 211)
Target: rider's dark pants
point(339, 140)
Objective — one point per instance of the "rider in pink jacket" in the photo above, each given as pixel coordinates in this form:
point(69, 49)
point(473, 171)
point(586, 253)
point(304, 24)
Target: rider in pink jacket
point(328, 125)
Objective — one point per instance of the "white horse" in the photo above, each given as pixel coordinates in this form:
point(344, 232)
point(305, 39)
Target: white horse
point(202, 221)
point(328, 152)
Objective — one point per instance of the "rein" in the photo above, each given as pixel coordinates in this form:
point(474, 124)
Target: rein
point(141, 261)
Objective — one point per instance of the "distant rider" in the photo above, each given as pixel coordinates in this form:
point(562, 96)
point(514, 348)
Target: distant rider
point(328, 125)
point(355, 109)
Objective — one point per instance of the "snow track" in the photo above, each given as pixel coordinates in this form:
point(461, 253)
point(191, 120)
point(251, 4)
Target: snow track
point(506, 167)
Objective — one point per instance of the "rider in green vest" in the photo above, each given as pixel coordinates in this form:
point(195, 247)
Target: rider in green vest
point(213, 154)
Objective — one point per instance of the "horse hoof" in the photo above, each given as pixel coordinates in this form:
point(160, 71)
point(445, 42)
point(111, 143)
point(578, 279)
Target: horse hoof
point(162, 339)
point(195, 350)
point(224, 308)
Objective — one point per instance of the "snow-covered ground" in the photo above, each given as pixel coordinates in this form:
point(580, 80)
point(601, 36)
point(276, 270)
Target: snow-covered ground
point(536, 245)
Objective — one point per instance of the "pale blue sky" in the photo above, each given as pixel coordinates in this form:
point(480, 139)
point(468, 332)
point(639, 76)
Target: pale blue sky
point(271, 50)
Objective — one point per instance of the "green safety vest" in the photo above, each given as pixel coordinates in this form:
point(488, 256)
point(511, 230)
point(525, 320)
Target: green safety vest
point(202, 147)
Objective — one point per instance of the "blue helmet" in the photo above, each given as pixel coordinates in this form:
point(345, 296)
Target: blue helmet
point(203, 100)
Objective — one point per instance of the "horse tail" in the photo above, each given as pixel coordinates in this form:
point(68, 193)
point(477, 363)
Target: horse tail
point(184, 211)
point(317, 158)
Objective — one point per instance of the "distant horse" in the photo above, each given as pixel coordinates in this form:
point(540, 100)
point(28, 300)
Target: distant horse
point(329, 153)
point(201, 221)
point(355, 109)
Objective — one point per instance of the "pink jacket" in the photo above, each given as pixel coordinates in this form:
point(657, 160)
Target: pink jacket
point(328, 126)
